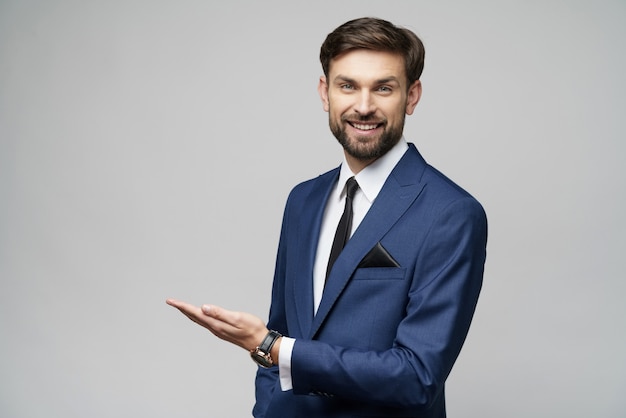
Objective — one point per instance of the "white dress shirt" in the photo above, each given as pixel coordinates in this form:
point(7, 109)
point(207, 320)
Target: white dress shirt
point(371, 180)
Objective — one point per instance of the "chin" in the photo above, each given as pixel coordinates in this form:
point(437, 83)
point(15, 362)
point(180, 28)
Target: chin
point(367, 149)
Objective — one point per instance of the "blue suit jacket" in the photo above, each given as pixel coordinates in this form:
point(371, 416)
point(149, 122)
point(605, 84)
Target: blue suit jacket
point(384, 339)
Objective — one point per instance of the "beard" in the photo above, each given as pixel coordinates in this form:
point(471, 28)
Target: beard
point(366, 148)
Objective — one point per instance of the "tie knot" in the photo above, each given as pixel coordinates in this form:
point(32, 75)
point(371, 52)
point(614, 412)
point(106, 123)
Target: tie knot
point(351, 187)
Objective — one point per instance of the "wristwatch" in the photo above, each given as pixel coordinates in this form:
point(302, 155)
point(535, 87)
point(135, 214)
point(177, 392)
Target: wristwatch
point(261, 354)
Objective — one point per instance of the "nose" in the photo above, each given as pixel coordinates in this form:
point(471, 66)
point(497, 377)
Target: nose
point(365, 103)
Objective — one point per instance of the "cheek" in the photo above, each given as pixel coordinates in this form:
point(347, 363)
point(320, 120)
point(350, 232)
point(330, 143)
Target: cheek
point(336, 106)
point(396, 113)
point(335, 112)
point(339, 103)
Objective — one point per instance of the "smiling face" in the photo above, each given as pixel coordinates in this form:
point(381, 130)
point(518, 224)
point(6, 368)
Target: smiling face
point(366, 97)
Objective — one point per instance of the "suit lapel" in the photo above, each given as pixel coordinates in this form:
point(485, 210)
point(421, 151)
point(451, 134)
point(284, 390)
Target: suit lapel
point(309, 224)
point(401, 189)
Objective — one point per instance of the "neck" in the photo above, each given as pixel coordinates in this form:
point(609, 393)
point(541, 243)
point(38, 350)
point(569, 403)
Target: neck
point(355, 164)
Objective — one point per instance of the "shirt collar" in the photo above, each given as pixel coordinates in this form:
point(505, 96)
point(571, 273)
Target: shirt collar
point(372, 178)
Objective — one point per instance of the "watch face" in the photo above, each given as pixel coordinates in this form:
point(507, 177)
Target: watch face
point(263, 360)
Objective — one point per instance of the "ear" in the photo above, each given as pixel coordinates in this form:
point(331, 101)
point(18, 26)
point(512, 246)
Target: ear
point(413, 97)
point(322, 89)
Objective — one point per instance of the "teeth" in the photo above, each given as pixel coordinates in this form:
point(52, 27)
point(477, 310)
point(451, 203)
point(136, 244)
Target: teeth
point(364, 127)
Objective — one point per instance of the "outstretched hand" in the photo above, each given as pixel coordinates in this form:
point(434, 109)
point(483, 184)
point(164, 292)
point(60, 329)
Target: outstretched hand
point(240, 328)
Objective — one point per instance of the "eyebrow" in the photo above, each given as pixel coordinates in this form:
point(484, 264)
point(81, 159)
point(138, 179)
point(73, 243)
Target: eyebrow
point(387, 80)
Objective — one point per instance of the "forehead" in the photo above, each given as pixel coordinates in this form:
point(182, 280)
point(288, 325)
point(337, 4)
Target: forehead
point(363, 64)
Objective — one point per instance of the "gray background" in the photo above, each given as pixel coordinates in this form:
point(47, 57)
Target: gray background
point(134, 134)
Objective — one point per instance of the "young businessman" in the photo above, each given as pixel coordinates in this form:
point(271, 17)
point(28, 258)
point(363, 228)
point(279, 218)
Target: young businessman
point(371, 326)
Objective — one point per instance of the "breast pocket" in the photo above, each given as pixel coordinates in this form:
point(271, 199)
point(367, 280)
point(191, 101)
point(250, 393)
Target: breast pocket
point(380, 273)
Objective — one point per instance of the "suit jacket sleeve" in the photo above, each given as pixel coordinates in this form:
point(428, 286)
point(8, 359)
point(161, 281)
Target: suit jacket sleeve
point(446, 278)
point(267, 379)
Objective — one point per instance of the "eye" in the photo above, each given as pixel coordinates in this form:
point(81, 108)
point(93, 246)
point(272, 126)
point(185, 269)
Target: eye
point(347, 86)
point(384, 89)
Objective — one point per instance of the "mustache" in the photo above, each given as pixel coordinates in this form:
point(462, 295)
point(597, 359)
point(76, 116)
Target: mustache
point(369, 118)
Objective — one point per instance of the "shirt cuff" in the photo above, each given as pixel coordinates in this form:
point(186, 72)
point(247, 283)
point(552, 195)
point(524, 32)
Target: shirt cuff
point(284, 363)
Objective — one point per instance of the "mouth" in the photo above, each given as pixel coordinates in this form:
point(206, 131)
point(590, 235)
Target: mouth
point(364, 126)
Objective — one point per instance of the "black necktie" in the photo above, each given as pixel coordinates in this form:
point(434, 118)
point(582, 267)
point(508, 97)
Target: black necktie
point(345, 225)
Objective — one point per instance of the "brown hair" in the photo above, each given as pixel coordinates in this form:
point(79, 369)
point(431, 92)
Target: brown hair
point(376, 35)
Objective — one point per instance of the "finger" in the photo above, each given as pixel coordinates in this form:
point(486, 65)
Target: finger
point(224, 316)
point(190, 311)
point(186, 308)
point(221, 321)
point(178, 304)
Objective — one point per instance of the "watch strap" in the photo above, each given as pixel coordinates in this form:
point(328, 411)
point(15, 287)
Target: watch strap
point(262, 354)
point(269, 341)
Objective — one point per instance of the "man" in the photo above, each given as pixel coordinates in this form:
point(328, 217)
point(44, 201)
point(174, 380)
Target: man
point(375, 330)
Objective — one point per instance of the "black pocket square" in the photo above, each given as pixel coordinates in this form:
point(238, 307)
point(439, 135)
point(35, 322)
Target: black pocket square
point(378, 257)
